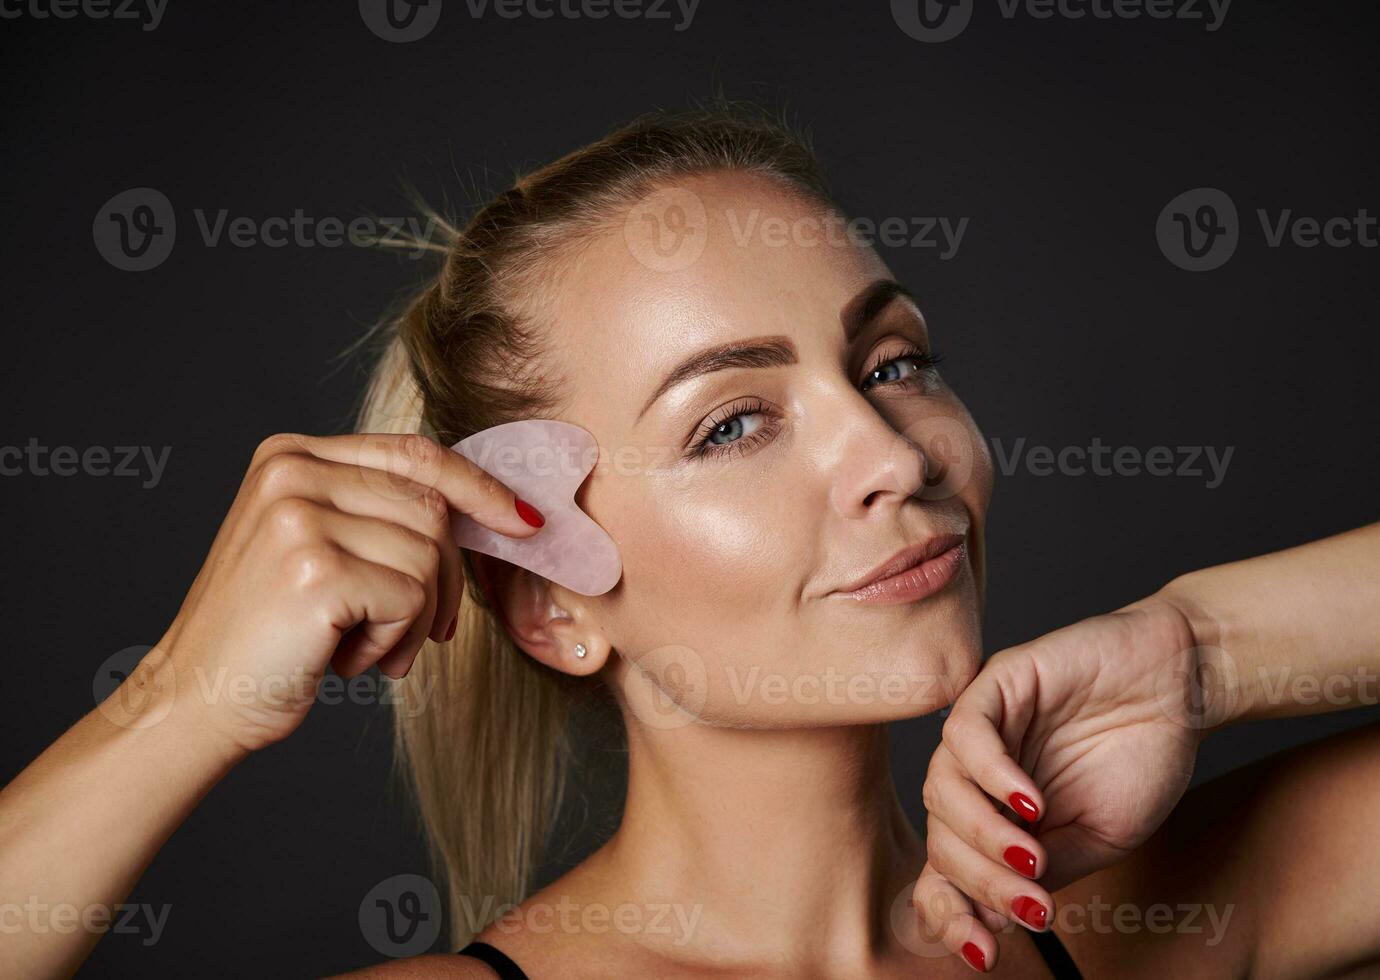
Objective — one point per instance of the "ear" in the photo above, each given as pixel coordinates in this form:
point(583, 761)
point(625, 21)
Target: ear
point(546, 620)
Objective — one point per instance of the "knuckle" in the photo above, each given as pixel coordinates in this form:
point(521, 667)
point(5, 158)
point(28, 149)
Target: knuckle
point(279, 474)
point(990, 887)
point(432, 554)
point(291, 518)
point(936, 844)
point(279, 442)
point(929, 794)
point(415, 598)
point(313, 567)
point(935, 901)
point(418, 452)
point(432, 506)
point(990, 773)
point(983, 839)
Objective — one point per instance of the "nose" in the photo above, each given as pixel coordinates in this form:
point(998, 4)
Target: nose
point(873, 464)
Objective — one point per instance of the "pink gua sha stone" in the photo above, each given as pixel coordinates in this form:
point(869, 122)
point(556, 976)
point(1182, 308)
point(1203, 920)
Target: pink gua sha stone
point(544, 462)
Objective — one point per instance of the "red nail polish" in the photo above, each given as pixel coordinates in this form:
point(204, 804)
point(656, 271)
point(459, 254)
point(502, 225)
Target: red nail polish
point(1031, 912)
point(974, 956)
point(450, 630)
point(1020, 859)
point(1023, 805)
point(528, 513)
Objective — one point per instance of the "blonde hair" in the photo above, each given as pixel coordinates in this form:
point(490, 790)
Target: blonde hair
point(479, 726)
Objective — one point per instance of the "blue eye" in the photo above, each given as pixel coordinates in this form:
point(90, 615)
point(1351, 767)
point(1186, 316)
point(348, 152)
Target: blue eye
point(881, 374)
point(733, 429)
point(728, 434)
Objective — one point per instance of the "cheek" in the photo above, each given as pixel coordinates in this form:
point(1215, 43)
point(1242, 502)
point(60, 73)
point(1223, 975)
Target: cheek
point(713, 551)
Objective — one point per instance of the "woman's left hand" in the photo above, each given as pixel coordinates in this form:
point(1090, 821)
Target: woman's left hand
point(1097, 725)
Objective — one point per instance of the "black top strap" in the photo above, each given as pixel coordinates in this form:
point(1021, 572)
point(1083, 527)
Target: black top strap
point(496, 958)
point(1057, 958)
point(1051, 949)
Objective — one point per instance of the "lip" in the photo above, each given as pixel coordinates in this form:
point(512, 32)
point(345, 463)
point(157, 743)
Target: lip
point(915, 572)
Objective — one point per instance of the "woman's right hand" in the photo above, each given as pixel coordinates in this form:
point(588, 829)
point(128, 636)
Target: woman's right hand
point(337, 550)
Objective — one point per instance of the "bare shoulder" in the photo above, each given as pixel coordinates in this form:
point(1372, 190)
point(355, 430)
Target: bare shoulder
point(426, 967)
point(1264, 871)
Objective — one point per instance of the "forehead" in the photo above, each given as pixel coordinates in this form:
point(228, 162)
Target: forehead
point(716, 258)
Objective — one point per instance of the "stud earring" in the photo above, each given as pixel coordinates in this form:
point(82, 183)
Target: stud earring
point(580, 650)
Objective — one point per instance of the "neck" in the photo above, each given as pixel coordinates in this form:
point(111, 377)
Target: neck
point(787, 846)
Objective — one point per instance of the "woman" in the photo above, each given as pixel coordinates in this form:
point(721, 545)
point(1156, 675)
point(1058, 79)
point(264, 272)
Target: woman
point(779, 437)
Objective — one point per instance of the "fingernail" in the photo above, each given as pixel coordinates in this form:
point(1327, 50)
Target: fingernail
point(1031, 912)
point(528, 513)
point(1022, 804)
point(450, 630)
point(974, 956)
point(1020, 859)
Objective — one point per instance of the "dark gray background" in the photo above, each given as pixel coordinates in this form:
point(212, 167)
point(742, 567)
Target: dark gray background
point(1061, 140)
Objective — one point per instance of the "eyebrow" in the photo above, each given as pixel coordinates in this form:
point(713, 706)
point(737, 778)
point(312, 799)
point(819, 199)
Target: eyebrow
point(777, 350)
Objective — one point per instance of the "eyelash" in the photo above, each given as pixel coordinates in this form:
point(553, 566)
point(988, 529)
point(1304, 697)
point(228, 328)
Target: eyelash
point(925, 360)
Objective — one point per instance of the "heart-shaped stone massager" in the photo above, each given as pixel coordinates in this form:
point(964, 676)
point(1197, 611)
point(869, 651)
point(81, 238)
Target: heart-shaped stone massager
point(544, 462)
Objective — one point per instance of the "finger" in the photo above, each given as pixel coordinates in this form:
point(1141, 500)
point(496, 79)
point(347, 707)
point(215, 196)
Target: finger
point(384, 543)
point(373, 606)
point(946, 912)
point(374, 639)
point(951, 796)
point(992, 920)
point(986, 882)
point(348, 489)
point(419, 460)
point(971, 734)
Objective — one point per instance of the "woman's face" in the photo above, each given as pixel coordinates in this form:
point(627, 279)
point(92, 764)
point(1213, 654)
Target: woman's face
point(745, 488)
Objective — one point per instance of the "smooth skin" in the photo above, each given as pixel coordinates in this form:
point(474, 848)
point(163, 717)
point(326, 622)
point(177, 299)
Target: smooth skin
point(769, 824)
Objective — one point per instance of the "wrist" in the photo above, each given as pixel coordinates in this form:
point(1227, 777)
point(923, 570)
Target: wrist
point(159, 703)
point(1218, 688)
